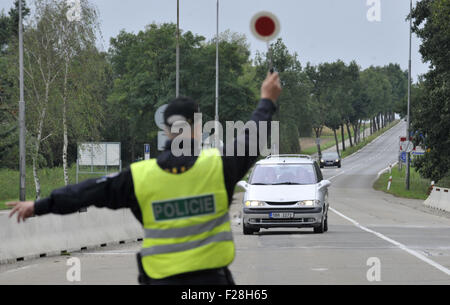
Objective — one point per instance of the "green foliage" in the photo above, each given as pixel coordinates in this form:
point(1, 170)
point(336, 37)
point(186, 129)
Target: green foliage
point(144, 79)
point(113, 96)
point(294, 103)
point(431, 115)
point(9, 24)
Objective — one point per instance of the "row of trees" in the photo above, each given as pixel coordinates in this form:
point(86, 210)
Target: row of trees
point(430, 103)
point(74, 92)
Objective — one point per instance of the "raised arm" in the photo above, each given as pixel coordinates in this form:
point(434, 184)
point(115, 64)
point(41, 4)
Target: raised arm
point(235, 167)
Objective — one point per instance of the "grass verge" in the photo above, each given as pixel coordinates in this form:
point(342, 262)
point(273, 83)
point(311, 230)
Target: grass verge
point(418, 186)
point(50, 179)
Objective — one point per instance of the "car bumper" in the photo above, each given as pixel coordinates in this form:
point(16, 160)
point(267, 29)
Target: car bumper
point(303, 218)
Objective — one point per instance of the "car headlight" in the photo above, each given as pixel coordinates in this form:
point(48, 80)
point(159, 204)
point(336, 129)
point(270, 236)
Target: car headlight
point(254, 203)
point(322, 161)
point(337, 160)
point(308, 203)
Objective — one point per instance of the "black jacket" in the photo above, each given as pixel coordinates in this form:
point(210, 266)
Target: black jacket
point(117, 191)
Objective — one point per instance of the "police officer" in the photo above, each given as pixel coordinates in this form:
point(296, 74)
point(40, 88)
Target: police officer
point(181, 201)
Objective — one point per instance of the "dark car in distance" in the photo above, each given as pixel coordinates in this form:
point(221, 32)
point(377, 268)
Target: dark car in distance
point(330, 159)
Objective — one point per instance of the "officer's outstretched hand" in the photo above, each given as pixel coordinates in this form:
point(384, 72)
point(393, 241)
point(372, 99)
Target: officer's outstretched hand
point(24, 209)
point(271, 87)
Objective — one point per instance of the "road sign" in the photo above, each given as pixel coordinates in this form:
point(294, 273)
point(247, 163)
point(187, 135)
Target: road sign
point(146, 151)
point(403, 156)
point(265, 26)
point(159, 116)
point(407, 146)
point(95, 158)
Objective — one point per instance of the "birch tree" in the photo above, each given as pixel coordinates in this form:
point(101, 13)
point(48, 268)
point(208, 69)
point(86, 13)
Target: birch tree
point(42, 67)
point(76, 36)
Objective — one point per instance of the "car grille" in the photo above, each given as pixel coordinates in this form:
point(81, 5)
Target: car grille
point(281, 203)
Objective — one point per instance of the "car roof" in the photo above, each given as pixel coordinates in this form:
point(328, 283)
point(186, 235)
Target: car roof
point(286, 159)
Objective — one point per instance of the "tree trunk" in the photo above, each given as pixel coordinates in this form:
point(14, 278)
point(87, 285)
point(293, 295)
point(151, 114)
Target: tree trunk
point(343, 137)
point(349, 134)
point(318, 132)
point(355, 133)
point(364, 129)
point(359, 130)
point(66, 142)
point(337, 142)
point(37, 145)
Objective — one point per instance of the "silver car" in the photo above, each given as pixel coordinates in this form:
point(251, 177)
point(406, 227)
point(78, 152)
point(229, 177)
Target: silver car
point(285, 191)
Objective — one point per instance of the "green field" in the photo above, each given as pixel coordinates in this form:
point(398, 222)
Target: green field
point(50, 178)
point(418, 186)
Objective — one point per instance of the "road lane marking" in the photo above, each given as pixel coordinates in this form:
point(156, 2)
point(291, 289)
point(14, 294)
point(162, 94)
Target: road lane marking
point(396, 243)
point(337, 175)
point(17, 269)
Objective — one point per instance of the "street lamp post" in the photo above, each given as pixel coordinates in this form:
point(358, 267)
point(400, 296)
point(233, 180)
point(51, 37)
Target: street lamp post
point(22, 155)
point(408, 158)
point(216, 127)
point(217, 63)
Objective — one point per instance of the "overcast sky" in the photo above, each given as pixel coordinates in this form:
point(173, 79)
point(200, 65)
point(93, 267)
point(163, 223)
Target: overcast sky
point(318, 30)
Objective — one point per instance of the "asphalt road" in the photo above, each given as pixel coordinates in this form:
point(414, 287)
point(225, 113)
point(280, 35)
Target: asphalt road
point(408, 242)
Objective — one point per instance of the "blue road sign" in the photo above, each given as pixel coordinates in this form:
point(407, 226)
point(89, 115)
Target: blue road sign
point(403, 156)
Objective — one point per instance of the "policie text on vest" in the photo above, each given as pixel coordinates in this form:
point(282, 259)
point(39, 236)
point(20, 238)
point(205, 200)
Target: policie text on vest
point(183, 207)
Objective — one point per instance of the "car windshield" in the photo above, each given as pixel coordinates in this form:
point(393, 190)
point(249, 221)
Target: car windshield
point(283, 174)
point(332, 155)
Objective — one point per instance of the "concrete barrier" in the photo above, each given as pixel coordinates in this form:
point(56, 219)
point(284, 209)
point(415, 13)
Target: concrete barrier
point(53, 234)
point(439, 199)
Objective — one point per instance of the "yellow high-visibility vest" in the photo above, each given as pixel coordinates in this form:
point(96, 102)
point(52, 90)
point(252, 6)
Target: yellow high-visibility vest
point(185, 217)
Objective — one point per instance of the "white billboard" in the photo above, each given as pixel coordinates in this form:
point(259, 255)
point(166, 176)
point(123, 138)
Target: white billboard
point(99, 154)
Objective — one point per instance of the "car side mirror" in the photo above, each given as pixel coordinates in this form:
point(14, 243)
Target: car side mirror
point(324, 183)
point(243, 184)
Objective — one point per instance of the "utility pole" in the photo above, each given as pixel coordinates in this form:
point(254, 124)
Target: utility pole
point(177, 90)
point(408, 157)
point(217, 63)
point(22, 154)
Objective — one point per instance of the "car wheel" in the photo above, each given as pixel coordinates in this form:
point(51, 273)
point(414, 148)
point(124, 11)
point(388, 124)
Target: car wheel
point(321, 228)
point(248, 231)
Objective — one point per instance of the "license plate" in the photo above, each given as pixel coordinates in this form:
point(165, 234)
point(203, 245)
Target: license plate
point(281, 215)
